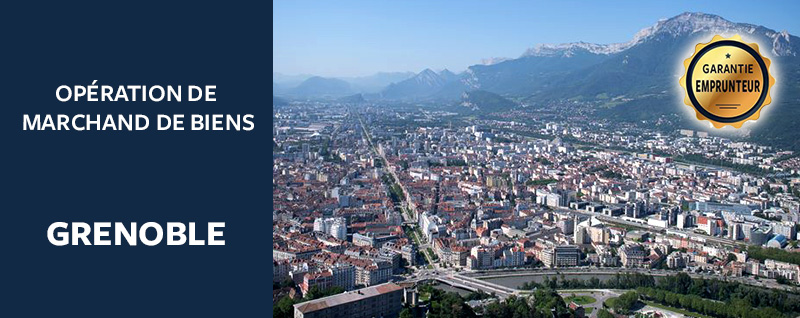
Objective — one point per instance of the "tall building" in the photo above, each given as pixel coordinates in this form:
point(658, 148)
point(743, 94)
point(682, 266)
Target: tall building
point(373, 273)
point(336, 227)
point(676, 260)
point(708, 224)
point(280, 270)
point(760, 235)
point(432, 226)
point(599, 234)
point(385, 300)
point(554, 200)
point(344, 276)
point(632, 255)
point(605, 257)
point(513, 257)
point(579, 232)
point(481, 257)
point(786, 229)
point(682, 220)
point(561, 256)
point(567, 225)
point(409, 253)
point(735, 231)
point(339, 229)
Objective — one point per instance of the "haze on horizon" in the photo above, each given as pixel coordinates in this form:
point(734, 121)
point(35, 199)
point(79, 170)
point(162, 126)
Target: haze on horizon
point(359, 38)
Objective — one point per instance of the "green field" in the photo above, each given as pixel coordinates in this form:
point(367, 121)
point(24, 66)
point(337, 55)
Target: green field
point(580, 300)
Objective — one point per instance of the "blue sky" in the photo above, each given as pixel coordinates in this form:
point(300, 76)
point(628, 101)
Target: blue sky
point(353, 38)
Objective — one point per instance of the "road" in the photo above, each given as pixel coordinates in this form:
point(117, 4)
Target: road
point(388, 168)
point(452, 278)
point(422, 246)
point(600, 296)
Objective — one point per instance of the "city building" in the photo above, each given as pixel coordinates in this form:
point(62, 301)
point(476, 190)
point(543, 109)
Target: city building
point(336, 227)
point(384, 300)
point(560, 256)
point(632, 255)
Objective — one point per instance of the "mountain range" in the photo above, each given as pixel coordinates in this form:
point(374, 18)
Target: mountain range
point(642, 72)
point(310, 86)
point(644, 65)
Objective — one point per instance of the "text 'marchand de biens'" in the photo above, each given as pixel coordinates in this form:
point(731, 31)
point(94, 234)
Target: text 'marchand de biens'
point(101, 233)
point(136, 122)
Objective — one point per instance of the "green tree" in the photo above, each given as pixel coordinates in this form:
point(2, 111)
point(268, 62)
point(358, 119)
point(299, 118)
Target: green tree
point(602, 313)
point(624, 303)
point(406, 313)
point(283, 308)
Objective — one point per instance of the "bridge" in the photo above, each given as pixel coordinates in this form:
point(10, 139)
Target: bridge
point(468, 283)
point(478, 284)
point(476, 281)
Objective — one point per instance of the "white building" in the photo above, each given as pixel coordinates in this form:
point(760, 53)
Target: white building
point(336, 227)
point(431, 226)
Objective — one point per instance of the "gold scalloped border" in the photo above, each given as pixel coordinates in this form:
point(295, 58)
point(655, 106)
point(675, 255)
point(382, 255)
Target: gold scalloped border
point(688, 102)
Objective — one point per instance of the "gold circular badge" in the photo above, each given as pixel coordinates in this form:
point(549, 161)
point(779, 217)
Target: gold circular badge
point(727, 81)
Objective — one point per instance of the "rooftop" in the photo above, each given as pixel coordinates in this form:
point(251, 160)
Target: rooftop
point(348, 297)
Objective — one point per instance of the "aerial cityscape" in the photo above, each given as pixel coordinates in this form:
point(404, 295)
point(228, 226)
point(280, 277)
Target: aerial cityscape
point(442, 194)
